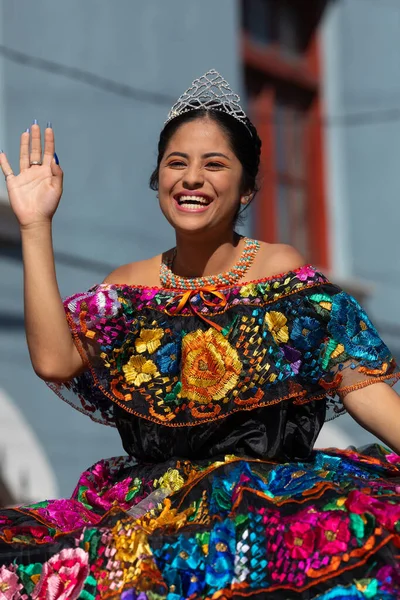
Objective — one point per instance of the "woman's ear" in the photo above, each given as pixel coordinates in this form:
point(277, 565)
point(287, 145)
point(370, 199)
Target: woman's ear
point(246, 199)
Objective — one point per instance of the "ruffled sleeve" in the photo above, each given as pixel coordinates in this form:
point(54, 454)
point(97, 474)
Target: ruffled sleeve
point(344, 351)
point(96, 319)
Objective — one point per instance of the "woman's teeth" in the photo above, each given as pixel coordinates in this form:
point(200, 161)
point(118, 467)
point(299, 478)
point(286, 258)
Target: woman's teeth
point(193, 200)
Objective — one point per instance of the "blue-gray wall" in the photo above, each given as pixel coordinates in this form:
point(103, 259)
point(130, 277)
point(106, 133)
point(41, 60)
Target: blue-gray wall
point(361, 52)
point(106, 143)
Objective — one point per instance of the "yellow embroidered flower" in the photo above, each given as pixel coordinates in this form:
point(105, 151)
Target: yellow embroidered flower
point(248, 290)
point(149, 340)
point(276, 322)
point(211, 366)
point(139, 370)
point(171, 479)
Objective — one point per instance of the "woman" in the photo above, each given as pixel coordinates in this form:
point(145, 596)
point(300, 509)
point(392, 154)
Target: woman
point(218, 363)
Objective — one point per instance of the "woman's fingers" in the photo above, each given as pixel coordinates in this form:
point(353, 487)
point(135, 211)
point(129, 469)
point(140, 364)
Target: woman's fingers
point(36, 146)
point(5, 166)
point(48, 145)
point(24, 151)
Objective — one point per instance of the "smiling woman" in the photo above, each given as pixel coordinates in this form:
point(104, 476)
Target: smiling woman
point(218, 362)
point(226, 147)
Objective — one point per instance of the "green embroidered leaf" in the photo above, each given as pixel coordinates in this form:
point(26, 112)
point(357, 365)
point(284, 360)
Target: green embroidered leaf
point(26, 572)
point(320, 298)
point(357, 526)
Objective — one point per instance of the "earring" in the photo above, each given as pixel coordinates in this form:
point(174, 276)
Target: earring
point(245, 199)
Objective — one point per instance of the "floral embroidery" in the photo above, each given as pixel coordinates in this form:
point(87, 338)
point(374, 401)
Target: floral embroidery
point(211, 367)
point(300, 540)
point(350, 326)
point(139, 370)
point(305, 273)
point(63, 576)
point(323, 343)
point(307, 332)
point(168, 358)
point(149, 340)
point(216, 528)
point(9, 584)
point(276, 322)
point(249, 290)
point(333, 533)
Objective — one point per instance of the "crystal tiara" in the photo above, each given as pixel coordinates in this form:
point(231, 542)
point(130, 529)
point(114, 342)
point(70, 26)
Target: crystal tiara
point(210, 92)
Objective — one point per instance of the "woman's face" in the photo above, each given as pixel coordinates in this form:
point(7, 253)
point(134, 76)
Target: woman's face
point(199, 178)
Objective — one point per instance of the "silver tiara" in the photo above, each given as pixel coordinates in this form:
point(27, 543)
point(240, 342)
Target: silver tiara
point(210, 92)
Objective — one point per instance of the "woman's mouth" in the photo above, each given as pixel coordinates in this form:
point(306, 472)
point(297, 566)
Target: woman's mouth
point(192, 203)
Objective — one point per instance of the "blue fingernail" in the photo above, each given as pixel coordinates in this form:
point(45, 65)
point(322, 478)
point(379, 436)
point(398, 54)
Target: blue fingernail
point(35, 122)
point(49, 125)
point(1, 151)
point(27, 130)
point(56, 159)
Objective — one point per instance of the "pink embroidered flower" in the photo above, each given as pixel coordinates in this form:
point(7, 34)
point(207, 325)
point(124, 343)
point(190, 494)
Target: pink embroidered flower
point(333, 533)
point(300, 540)
point(63, 576)
point(9, 586)
point(103, 302)
point(386, 513)
point(66, 514)
point(148, 294)
point(393, 459)
point(305, 273)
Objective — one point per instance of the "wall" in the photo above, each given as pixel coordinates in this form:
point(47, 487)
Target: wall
point(361, 57)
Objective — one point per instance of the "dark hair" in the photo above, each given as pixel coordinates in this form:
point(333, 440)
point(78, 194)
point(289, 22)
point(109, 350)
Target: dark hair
point(244, 142)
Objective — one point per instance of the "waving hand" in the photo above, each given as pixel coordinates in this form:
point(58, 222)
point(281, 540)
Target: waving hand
point(36, 191)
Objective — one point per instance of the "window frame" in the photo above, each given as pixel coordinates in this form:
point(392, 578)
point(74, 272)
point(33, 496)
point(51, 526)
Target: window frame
point(272, 69)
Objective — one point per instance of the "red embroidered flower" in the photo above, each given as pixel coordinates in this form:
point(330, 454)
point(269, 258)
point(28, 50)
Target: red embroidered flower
point(63, 576)
point(333, 533)
point(300, 540)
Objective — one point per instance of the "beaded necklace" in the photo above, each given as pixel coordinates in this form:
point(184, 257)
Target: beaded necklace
point(170, 280)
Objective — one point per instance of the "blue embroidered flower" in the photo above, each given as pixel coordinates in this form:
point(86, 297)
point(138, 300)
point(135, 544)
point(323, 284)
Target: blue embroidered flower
point(307, 333)
point(350, 326)
point(168, 358)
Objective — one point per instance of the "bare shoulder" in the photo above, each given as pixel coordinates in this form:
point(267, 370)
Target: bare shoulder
point(142, 272)
point(278, 258)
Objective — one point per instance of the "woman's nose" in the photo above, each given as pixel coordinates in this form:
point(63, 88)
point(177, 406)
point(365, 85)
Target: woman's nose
point(193, 178)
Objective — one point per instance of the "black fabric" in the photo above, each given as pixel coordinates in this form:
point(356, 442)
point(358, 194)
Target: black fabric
point(281, 432)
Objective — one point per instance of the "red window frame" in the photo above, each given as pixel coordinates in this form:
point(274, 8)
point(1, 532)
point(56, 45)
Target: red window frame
point(269, 70)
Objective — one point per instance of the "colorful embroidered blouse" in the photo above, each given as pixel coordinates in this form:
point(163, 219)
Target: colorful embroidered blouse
point(254, 368)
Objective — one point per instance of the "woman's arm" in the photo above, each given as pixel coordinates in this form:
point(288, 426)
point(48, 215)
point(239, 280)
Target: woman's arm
point(376, 407)
point(53, 353)
point(34, 197)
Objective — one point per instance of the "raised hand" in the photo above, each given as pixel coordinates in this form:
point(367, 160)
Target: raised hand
point(36, 191)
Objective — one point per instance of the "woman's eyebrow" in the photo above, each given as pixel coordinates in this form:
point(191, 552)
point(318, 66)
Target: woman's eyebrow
point(207, 155)
point(210, 154)
point(178, 154)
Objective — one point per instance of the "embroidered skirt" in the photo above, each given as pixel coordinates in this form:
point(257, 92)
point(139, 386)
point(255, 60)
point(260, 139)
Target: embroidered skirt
point(237, 527)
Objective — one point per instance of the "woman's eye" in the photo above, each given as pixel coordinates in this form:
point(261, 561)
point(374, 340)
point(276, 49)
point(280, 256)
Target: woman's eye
point(177, 163)
point(215, 165)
